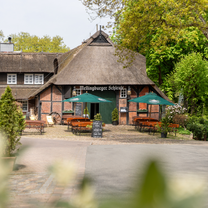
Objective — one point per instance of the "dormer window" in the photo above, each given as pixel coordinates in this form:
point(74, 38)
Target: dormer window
point(11, 79)
point(28, 79)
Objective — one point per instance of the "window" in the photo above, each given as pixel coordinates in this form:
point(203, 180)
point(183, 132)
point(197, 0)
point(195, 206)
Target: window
point(24, 105)
point(39, 79)
point(11, 79)
point(123, 93)
point(78, 91)
point(28, 79)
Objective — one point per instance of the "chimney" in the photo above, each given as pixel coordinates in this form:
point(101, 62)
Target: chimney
point(9, 39)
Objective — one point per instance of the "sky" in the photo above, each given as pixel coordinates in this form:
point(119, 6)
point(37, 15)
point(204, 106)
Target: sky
point(66, 18)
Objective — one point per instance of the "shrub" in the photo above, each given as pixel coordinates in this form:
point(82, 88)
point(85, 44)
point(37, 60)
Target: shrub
point(181, 130)
point(181, 119)
point(98, 117)
point(174, 110)
point(12, 122)
point(115, 115)
point(200, 131)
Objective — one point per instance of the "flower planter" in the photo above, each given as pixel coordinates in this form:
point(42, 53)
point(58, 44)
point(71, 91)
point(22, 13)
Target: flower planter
point(142, 111)
point(115, 122)
point(163, 135)
point(10, 161)
point(85, 115)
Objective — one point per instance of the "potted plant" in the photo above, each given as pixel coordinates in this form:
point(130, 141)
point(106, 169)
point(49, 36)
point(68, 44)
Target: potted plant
point(115, 116)
point(68, 112)
point(12, 124)
point(86, 112)
point(98, 117)
point(164, 127)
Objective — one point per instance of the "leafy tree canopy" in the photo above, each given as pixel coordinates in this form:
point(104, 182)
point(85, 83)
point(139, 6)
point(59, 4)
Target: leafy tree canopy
point(32, 43)
point(1, 35)
point(161, 62)
point(190, 79)
point(137, 21)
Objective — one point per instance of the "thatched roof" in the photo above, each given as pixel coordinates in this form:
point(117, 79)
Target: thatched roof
point(94, 63)
point(20, 92)
point(27, 62)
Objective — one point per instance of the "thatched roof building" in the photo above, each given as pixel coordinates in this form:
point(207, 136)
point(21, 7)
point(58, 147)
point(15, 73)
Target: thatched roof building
point(21, 63)
point(27, 62)
point(94, 63)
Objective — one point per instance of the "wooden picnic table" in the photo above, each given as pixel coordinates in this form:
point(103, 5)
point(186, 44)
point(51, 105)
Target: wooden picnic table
point(37, 124)
point(75, 118)
point(152, 126)
point(81, 126)
point(137, 119)
point(65, 117)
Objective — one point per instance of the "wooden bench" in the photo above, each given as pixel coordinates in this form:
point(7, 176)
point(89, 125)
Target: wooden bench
point(36, 124)
point(173, 128)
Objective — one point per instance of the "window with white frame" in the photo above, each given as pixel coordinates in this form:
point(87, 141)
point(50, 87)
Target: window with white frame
point(123, 93)
point(24, 105)
point(78, 91)
point(11, 79)
point(28, 79)
point(39, 79)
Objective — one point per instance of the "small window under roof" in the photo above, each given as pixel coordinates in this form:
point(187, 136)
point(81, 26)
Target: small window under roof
point(100, 39)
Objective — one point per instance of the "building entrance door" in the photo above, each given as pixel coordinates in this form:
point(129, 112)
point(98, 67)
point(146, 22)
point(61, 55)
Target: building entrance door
point(94, 109)
point(105, 109)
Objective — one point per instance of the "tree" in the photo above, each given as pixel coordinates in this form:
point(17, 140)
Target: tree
point(12, 122)
point(1, 35)
point(190, 79)
point(32, 43)
point(161, 62)
point(137, 21)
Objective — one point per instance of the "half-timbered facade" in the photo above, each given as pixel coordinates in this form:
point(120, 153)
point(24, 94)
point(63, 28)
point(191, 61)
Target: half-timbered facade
point(43, 80)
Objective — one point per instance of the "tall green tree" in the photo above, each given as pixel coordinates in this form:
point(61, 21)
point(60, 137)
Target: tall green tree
point(32, 43)
point(137, 21)
point(161, 61)
point(190, 78)
point(11, 121)
point(1, 35)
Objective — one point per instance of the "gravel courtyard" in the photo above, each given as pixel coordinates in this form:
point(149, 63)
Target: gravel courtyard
point(121, 134)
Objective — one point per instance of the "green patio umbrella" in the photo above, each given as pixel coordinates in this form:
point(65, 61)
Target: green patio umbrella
point(152, 99)
point(87, 98)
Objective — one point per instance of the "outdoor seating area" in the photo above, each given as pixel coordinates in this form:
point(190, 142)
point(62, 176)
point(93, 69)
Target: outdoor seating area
point(144, 124)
